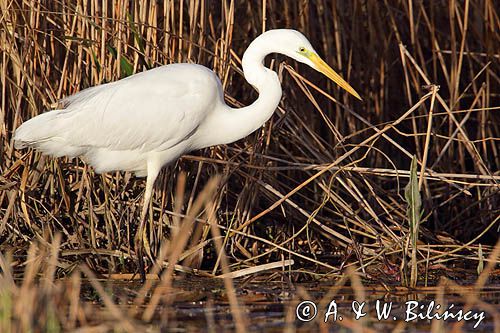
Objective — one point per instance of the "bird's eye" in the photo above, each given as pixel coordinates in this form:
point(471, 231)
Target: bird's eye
point(302, 49)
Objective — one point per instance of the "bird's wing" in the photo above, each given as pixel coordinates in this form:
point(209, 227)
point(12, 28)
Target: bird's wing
point(150, 111)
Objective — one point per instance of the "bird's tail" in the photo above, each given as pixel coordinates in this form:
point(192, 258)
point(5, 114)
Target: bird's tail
point(40, 133)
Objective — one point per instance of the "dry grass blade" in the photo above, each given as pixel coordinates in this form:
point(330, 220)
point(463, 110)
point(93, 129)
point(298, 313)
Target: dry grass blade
point(257, 269)
point(320, 185)
point(175, 251)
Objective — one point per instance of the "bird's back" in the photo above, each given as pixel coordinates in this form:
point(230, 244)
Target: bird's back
point(120, 125)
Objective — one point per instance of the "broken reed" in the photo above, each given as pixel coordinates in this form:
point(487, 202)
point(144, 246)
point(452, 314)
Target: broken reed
point(65, 309)
point(325, 175)
point(50, 304)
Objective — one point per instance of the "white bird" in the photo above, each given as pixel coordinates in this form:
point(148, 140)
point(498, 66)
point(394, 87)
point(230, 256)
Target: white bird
point(145, 121)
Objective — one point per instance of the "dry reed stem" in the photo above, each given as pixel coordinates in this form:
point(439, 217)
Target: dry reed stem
point(324, 175)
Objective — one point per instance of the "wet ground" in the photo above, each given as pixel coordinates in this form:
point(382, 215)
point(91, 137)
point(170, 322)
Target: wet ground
point(201, 304)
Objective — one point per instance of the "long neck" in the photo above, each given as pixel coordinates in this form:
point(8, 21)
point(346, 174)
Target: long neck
point(234, 124)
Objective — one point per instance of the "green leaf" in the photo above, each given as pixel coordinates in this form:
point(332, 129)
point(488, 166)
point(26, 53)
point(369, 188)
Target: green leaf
point(137, 36)
point(412, 196)
point(96, 61)
point(139, 39)
point(414, 212)
point(112, 50)
point(126, 68)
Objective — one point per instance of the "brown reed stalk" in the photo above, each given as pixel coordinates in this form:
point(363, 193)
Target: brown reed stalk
point(321, 183)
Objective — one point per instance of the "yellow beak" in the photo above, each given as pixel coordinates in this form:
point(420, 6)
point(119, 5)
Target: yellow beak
point(323, 67)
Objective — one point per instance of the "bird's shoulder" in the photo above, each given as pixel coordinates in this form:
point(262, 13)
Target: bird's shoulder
point(175, 73)
point(168, 81)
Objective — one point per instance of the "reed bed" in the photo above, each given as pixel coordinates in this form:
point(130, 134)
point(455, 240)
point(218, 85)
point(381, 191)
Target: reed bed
point(395, 189)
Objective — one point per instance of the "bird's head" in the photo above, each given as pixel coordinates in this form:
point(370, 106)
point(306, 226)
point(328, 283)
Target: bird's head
point(295, 45)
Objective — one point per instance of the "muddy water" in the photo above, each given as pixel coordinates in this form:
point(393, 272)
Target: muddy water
point(202, 305)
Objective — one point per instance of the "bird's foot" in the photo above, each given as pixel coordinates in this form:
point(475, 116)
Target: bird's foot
point(142, 269)
point(139, 251)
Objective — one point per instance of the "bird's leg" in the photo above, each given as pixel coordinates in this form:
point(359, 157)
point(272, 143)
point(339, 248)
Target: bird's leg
point(138, 241)
point(140, 234)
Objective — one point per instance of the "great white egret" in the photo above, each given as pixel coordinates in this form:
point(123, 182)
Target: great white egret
point(145, 121)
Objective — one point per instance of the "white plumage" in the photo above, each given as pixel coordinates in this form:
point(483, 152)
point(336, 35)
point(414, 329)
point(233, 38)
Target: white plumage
point(120, 125)
point(149, 119)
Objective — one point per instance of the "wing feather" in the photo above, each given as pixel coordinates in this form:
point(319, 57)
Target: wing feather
point(149, 111)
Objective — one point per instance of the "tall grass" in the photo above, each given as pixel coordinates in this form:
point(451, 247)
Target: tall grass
point(322, 183)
